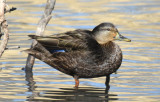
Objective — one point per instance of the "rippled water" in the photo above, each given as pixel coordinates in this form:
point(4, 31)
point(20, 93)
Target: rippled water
point(137, 80)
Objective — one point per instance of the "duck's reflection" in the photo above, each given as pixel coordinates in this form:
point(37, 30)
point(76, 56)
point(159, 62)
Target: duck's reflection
point(82, 94)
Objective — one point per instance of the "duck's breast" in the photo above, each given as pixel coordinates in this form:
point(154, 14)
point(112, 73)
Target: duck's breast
point(112, 60)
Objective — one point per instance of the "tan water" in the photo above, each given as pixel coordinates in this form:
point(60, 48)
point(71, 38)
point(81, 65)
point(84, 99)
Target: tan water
point(137, 80)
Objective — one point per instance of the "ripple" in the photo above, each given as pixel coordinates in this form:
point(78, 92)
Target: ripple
point(138, 78)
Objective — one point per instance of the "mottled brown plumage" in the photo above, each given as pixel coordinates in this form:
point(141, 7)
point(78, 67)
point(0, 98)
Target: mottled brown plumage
point(88, 54)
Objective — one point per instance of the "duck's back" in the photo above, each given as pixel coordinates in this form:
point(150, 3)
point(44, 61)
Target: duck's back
point(68, 41)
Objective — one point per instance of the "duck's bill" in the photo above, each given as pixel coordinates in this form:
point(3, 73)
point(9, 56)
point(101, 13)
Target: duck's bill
point(121, 38)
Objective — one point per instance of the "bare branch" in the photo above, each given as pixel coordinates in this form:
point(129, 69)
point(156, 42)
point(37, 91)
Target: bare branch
point(4, 27)
point(40, 30)
point(2, 7)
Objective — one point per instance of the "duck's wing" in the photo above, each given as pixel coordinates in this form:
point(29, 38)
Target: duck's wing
point(72, 40)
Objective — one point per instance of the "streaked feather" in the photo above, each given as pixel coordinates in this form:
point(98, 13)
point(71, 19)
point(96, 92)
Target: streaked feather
point(73, 40)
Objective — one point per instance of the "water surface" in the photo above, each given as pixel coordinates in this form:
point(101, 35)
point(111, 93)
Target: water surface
point(137, 80)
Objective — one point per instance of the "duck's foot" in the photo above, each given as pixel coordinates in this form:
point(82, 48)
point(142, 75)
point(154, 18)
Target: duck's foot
point(76, 82)
point(107, 82)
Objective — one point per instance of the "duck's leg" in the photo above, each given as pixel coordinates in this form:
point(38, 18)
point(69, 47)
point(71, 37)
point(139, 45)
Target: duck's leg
point(107, 82)
point(76, 81)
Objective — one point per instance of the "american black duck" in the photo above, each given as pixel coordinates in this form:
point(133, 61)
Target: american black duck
point(87, 54)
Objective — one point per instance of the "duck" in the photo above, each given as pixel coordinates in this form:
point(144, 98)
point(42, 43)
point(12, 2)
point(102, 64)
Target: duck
point(82, 53)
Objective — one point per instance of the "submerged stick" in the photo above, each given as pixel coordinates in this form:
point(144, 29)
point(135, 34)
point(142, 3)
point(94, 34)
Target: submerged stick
point(40, 30)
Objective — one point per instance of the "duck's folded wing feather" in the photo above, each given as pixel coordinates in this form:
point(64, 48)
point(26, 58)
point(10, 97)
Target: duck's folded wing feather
point(73, 40)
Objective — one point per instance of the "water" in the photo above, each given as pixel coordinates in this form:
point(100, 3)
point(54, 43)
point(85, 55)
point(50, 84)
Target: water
point(137, 80)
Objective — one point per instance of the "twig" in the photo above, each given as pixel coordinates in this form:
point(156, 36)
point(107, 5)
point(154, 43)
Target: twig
point(40, 30)
point(12, 47)
point(10, 9)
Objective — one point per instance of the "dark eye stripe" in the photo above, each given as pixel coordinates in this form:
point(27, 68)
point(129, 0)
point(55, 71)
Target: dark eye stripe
point(107, 29)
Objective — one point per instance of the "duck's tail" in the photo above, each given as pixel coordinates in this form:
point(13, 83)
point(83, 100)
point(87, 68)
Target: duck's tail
point(39, 55)
point(40, 48)
point(47, 58)
point(40, 52)
point(33, 36)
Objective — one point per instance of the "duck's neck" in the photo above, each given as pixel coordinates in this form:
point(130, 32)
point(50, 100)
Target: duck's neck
point(100, 51)
point(105, 51)
point(108, 47)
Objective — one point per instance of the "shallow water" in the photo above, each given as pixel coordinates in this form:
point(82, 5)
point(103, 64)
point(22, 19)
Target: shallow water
point(137, 80)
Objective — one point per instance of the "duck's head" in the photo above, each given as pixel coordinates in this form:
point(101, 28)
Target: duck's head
point(106, 32)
